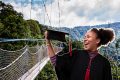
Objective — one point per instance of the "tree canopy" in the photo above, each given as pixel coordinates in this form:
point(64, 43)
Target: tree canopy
point(14, 26)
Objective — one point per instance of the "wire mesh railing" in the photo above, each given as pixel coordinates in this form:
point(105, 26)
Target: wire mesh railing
point(14, 64)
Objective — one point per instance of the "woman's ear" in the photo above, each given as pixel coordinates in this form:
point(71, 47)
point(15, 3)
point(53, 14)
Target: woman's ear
point(98, 41)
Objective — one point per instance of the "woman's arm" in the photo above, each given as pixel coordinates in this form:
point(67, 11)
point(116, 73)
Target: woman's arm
point(51, 51)
point(61, 63)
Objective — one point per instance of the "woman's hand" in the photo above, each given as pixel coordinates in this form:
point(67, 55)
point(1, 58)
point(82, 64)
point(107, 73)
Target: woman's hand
point(46, 38)
point(46, 35)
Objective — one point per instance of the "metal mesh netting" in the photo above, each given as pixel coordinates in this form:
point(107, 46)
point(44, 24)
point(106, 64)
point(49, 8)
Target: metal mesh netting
point(6, 57)
point(14, 64)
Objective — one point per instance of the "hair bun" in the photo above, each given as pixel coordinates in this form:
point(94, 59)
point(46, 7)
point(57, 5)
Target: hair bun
point(106, 35)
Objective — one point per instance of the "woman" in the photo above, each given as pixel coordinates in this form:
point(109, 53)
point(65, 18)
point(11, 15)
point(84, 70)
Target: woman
point(85, 64)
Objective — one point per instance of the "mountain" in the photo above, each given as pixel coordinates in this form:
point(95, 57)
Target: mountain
point(77, 33)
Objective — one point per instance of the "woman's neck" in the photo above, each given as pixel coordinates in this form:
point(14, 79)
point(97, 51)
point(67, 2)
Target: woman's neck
point(93, 51)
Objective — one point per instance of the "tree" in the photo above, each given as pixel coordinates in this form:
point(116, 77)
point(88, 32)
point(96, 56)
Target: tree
point(47, 73)
point(77, 44)
point(35, 28)
point(1, 27)
point(6, 10)
point(117, 62)
point(14, 26)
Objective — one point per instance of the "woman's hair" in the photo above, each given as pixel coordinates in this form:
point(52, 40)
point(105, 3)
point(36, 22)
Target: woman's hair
point(106, 35)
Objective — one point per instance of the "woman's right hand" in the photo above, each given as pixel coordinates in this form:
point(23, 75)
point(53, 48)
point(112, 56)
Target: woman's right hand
point(48, 42)
point(46, 35)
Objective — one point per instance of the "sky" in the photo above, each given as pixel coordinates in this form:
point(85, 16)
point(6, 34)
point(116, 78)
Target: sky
point(69, 13)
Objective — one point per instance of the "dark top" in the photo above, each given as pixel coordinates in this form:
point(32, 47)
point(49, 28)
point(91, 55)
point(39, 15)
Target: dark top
point(74, 67)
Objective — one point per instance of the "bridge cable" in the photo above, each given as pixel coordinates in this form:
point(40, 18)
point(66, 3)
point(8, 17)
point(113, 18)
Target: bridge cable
point(46, 11)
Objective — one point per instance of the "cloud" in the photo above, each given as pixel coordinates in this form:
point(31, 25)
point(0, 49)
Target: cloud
point(72, 12)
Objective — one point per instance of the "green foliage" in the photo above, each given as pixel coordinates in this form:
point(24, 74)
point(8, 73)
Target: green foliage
point(6, 10)
point(115, 70)
point(77, 44)
point(117, 44)
point(34, 28)
point(47, 73)
point(12, 26)
point(1, 27)
point(13, 45)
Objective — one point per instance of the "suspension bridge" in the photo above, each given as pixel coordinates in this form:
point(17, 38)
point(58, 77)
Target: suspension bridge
point(26, 63)
point(23, 64)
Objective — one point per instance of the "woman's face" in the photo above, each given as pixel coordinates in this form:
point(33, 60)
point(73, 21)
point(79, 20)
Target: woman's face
point(91, 41)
